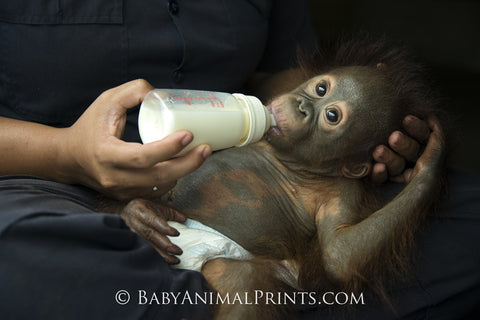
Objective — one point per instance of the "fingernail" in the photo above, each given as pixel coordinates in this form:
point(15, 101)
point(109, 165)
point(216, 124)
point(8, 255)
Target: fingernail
point(207, 151)
point(187, 139)
point(174, 250)
point(408, 120)
point(379, 152)
point(174, 260)
point(396, 139)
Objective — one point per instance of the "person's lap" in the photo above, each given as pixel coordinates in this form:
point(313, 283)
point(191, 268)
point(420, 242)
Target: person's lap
point(59, 259)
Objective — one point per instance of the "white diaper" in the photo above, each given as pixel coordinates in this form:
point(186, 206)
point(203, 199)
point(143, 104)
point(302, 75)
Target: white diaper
point(201, 243)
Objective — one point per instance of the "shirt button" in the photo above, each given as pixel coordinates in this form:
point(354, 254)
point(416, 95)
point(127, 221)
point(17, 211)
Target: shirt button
point(173, 7)
point(177, 76)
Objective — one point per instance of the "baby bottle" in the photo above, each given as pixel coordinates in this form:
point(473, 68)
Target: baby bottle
point(219, 119)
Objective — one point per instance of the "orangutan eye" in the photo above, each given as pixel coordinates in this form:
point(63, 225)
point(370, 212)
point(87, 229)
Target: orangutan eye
point(333, 115)
point(321, 88)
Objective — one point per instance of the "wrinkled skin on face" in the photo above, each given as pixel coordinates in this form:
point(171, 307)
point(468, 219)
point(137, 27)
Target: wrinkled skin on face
point(332, 119)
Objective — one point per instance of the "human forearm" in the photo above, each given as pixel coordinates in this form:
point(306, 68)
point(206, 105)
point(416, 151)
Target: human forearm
point(31, 148)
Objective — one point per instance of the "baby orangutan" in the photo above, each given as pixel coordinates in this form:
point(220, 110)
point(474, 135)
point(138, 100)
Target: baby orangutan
point(300, 200)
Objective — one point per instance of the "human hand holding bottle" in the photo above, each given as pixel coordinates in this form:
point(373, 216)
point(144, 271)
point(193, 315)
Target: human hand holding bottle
point(91, 153)
point(99, 159)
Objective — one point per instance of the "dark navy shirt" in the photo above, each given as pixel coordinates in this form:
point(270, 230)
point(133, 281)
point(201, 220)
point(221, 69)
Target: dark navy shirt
point(56, 56)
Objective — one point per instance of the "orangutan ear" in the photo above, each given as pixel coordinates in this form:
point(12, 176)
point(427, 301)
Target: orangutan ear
point(357, 170)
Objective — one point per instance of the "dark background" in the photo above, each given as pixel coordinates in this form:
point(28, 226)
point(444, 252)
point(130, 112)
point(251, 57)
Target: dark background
point(445, 35)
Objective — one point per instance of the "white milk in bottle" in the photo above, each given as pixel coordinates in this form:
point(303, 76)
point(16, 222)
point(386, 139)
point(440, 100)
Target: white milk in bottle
point(219, 119)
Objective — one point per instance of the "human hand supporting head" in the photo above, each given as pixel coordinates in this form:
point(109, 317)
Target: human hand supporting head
point(93, 154)
point(391, 160)
point(431, 162)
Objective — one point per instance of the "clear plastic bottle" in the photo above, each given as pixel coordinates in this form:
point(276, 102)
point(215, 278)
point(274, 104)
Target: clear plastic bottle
point(219, 119)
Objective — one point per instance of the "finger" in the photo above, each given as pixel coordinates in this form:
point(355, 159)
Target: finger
point(165, 245)
point(435, 149)
point(166, 213)
point(143, 220)
point(163, 175)
point(436, 140)
point(128, 95)
point(154, 181)
point(160, 178)
point(181, 166)
point(168, 258)
point(155, 216)
point(379, 173)
point(404, 146)
point(394, 163)
point(161, 226)
point(436, 128)
point(407, 175)
point(158, 240)
point(416, 128)
point(403, 178)
point(135, 155)
point(179, 217)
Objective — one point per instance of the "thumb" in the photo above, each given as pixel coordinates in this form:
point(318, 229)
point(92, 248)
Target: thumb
point(119, 99)
point(130, 94)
